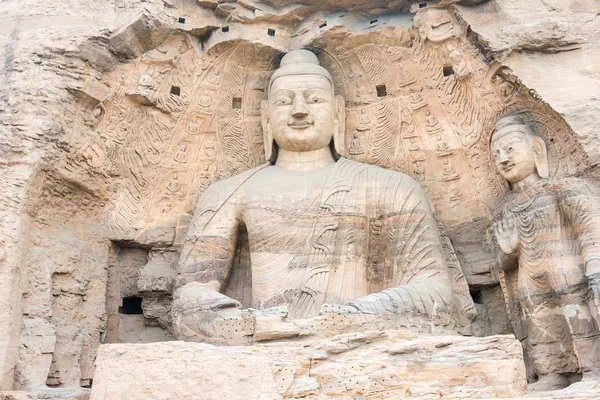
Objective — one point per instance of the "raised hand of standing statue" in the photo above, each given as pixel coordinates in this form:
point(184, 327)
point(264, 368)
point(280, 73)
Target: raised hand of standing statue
point(507, 236)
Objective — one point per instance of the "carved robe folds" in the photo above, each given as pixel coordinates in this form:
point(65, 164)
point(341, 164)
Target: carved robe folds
point(346, 234)
point(558, 228)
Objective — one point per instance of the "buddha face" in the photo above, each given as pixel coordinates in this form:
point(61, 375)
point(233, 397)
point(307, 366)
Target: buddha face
point(514, 156)
point(301, 112)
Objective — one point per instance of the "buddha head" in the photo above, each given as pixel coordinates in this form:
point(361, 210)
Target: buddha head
point(302, 112)
point(517, 151)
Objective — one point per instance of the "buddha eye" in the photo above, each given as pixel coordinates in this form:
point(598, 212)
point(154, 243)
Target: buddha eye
point(282, 102)
point(315, 99)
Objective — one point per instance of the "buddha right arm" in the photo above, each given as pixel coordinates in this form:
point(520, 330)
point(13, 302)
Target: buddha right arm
point(200, 312)
point(209, 248)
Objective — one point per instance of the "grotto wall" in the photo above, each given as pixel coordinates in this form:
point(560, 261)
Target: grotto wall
point(115, 116)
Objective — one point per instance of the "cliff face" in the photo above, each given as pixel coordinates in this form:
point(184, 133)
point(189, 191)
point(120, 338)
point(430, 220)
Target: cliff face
point(114, 116)
point(552, 46)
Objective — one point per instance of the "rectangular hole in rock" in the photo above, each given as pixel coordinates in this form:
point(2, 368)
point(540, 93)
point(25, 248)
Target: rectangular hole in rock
point(381, 90)
point(271, 32)
point(477, 296)
point(373, 21)
point(181, 20)
point(448, 70)
point(323, 25)
point(176, 90)
point(422, 5)
point(86, 383)
point(237, 103)
point(225, 29)
point(131, 306)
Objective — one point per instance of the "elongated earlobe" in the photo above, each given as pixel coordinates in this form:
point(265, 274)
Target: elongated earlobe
point(540, 156)
point(270, 155)
point(339, 127)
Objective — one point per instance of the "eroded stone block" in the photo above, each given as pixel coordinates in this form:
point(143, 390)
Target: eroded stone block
point(385, 364)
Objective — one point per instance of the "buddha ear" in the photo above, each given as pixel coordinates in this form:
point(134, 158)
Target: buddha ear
point(339, 126)
point(267, 135)
point(540, 156)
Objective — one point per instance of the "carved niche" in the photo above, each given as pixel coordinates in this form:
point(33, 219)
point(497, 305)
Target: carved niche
point(419, 100)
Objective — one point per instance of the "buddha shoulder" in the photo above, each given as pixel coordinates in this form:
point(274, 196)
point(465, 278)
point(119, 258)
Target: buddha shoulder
point(222, 191)
point(380, 174)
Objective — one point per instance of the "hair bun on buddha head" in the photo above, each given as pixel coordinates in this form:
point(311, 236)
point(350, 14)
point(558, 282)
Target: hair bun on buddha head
point(299, 57)
point(511, 123)
point(511, 119)
point(300, 62)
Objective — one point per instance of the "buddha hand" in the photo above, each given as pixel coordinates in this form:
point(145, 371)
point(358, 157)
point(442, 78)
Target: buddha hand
point(507, 236)
point(201, 314)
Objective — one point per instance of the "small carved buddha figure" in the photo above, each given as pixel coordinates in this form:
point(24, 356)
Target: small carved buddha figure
point(414, 145)
point(326, 234)
point(364, 121)
point(442, 148)
point(548, 231)
point(192, 127)
point(405, 76)
point(205, 99)
point(417, 101)
point(433, 125)
point(419, 171)
point(181, 155)
point(458, 60)
point(360, 90)
point(355, 146)
point(455, 193)
point(205, 179)
point(173, 186)
point(215, 77)
point(449, 171)
point(147, 82)
point(408, 126)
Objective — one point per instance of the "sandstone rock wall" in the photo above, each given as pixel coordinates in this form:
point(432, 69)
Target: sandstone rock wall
point(553, 47)
point(64, 175)
point(46, 248)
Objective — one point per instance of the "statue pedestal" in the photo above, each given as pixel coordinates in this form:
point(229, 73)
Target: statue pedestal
point(384, 364)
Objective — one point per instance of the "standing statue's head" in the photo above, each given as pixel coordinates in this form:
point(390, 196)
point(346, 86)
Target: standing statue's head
point(517, 151)
point(302, 112)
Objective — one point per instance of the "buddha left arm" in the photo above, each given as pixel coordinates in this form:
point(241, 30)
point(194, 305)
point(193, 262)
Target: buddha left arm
point(419, 282)
point(578, 202)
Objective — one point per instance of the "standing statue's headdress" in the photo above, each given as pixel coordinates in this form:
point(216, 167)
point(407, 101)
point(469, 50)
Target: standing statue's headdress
point(514, 123)
point(304, 62)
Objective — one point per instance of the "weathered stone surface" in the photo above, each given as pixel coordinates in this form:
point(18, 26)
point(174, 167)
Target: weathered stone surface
point(553, 47)
point(86, 110)
point(51, 394)
point(377, 365)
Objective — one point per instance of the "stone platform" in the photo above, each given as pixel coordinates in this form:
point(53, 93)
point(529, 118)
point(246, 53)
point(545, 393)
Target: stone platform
point(370, 365)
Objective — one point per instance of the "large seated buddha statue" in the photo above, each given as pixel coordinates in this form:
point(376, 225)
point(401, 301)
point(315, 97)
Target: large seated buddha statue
point(326, 235)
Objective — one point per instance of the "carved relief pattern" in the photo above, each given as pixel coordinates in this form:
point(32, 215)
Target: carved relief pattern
point(174, 125)
point(179, 118)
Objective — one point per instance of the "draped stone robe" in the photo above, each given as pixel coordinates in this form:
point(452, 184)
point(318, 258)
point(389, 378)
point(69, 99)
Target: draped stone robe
point(345, 233)
point(558, 226)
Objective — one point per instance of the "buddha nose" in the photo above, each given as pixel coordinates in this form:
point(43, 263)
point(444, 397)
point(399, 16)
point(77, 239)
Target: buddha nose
point(299, 110)
point(503, 159)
